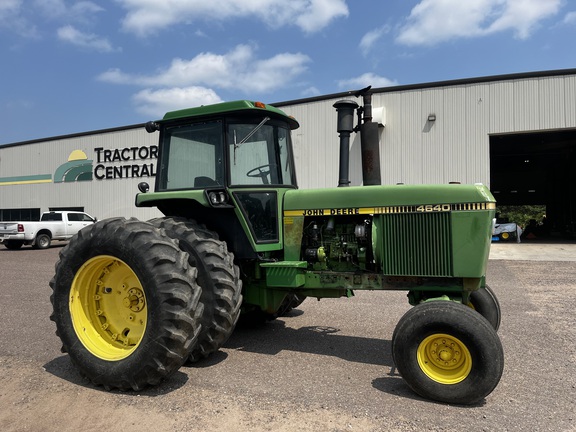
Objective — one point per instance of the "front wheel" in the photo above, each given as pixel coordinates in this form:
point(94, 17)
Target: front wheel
point(447, 352)
point(125, 304)
point(485, 302)
point(292, 301)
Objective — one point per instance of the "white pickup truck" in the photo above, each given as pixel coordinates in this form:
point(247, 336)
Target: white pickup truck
point(55, 225)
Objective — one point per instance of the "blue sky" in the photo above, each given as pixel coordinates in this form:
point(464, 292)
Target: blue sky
point(74, 66)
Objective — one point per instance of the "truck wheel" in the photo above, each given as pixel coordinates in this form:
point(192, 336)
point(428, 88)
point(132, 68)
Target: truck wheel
point(13, 244)
point(447, 352)
point(42, 241)
point(218, 278)
point(484, 302)
point(125, 303)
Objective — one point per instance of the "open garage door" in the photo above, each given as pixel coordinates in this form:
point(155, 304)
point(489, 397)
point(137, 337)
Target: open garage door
point(537, 168)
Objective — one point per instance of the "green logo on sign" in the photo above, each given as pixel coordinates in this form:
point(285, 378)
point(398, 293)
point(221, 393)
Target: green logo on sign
point(78, 168)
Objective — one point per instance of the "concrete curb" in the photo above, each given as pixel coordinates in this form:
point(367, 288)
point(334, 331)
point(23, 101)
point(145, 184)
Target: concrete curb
point(533, 251)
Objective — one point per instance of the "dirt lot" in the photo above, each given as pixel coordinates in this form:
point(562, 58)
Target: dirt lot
point(326, 367)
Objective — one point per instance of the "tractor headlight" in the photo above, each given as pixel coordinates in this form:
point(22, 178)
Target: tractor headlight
point(218, 198)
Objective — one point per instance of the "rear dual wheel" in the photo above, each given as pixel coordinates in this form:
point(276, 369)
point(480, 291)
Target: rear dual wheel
point(125, 303)
point(218, 278)
point(13, 244)
point(447, 352)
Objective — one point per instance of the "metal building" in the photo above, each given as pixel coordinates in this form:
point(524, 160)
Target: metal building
point(515, 133)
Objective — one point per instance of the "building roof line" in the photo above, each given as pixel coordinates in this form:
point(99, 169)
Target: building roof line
point(74, 135)
point(446, 83)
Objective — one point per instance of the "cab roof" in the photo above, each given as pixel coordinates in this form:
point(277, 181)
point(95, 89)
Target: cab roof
point(240, 106)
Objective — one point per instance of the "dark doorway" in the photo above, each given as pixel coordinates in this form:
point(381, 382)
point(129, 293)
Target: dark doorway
point(537, 168)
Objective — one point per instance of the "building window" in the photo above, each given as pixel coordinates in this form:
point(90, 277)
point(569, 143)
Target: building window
point(27, 214)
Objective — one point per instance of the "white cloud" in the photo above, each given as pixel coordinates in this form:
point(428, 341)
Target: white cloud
point(238, 69)
point(317, 14)
point(9, 7)
point(75, 37)
point(187, 83)
point(155, 103)
point(310, 92)
point(58, 9)
point(570, 18)
point(17, 16)
point(370, 38)
point(365, 80)
point(145, 17)
point(435, 21)
point(51, 8)
point(11, 19)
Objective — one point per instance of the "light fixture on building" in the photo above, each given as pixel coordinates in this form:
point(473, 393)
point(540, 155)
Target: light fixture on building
point(431, 117)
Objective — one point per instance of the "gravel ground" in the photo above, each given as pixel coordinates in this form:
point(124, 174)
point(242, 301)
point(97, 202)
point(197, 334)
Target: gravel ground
point(326, 367)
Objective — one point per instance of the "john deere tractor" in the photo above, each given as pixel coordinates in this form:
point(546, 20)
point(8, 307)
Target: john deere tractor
point(133, 301)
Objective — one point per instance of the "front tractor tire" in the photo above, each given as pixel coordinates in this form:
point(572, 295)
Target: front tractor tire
point(125, 303)
point(218, 278)
point(292, 301)
point(447, 352)
point(485, 302)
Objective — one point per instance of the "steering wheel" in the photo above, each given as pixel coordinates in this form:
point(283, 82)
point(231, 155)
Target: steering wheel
point(260, 172)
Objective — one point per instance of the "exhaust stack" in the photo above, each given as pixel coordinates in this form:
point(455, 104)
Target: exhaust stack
point(345, 127)
point(369, 142)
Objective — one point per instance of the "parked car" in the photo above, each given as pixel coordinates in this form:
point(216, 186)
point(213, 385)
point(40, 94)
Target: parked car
point(507, 232)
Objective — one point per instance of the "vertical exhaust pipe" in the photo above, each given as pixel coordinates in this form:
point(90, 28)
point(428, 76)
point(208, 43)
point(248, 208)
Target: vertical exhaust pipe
point(369, 142)
point(345, 110)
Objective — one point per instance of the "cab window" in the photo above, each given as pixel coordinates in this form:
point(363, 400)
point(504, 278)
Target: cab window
point(192, 157)
point(258, 154)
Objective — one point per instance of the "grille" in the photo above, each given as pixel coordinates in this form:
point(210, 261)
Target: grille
point(417, 244)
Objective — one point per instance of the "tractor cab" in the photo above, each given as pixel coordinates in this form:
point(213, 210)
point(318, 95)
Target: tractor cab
point(233, 157)
point(250, 150)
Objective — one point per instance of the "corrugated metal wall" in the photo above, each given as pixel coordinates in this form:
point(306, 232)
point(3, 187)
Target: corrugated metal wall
point(100, 198)
point(413, 150)
point(455, 147)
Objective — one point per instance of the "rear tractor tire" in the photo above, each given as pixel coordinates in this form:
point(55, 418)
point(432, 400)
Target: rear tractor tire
point(447, 352)
point(125, 303)
point(218, 278)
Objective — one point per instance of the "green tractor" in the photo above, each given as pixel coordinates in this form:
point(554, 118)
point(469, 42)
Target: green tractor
point(133, 301)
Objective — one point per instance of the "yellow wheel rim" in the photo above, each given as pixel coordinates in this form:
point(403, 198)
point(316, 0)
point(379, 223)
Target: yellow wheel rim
point(444, 359)
point(108, 308)
point(505, 236)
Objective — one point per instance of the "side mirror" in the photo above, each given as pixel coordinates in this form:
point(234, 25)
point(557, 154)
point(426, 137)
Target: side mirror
point(143, 187)
point(152, 127)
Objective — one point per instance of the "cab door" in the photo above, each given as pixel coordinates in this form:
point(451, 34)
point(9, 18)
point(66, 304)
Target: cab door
point(260, 172)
